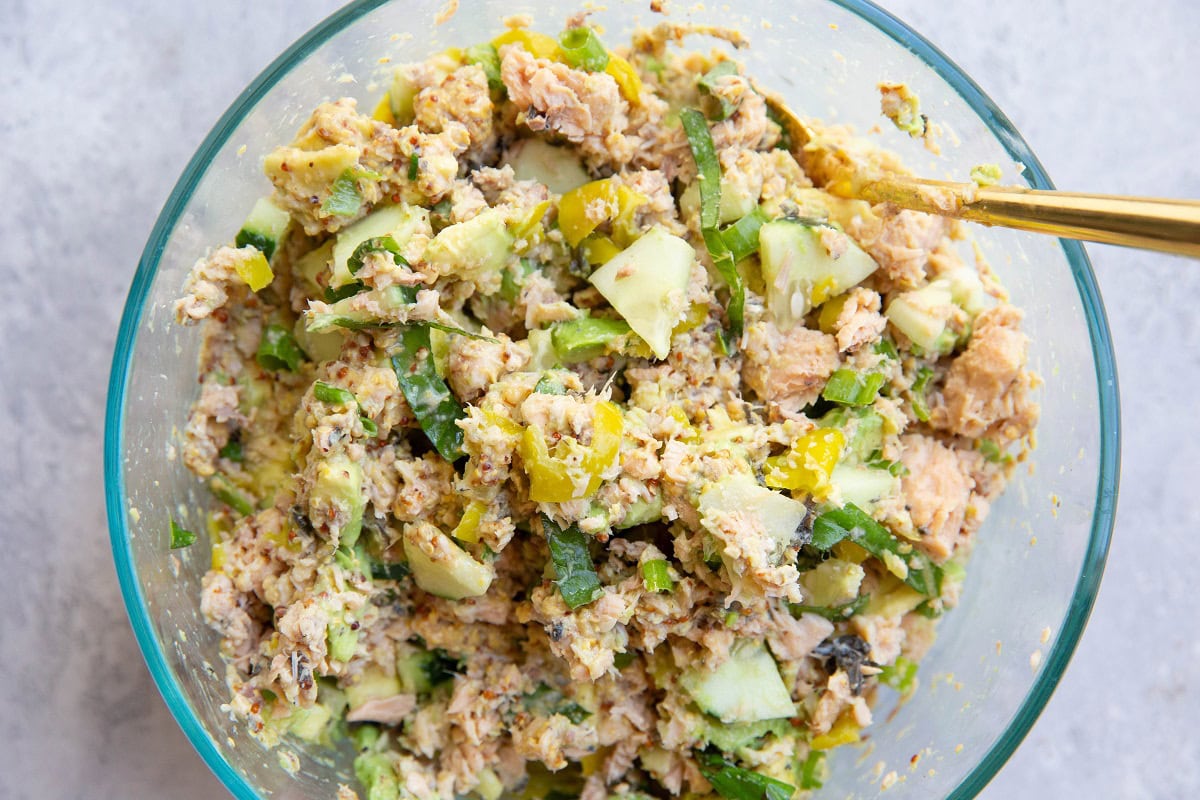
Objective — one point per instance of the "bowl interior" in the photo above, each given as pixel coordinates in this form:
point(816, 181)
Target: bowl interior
point(1036, 569)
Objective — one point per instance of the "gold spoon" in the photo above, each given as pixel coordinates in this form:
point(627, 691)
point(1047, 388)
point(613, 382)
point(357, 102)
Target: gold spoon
point(1170, 226)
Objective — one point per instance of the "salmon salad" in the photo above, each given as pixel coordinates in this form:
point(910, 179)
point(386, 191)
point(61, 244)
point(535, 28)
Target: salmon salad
point(568, 438)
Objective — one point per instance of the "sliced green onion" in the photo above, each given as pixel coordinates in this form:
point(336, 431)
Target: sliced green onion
point(378, 244)
point(857, 525)
point(741, 238)
point(345, 199)
point(548, 384)
point(920, 407)
point(901, 676)
point(709, 174)
point(333, 395)
point(342, 292)
point(414, 167)
point(577, 581)
point(513, 278)
point(428, 395)
point(582, 49)
point(708, 85)
point(181, 537)
point(233, 450)
point(224, 491)
point(832, 613)
point(485, 56)
point(887, 348)
point(992, 452)
point(737, 783)
point(811, 771)
point(369, 426)
point(656, 577)
point(852, 388)
point(278, 350)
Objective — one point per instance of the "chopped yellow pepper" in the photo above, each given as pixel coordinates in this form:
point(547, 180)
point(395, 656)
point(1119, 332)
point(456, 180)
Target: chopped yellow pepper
point(626, 77)
point(598, 249)
point(559, 476)
point(527, 228)
point(577, 210)
point(697, 315)
point(844, 731)
point(539, 45)
point(830, 311)
point(219, 556)
point(468, 527)
point(823, 290)
point(808, 464)
point(502, 423)
point(255, 271)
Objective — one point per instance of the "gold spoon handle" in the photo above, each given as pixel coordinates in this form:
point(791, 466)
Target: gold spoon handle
point(1171, 226)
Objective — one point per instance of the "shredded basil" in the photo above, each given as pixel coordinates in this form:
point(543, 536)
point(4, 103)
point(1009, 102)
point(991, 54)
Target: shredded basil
point(577, 581)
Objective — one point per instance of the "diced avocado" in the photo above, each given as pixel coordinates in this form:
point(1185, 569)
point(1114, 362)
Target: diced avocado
point(264, 228)
point(800, 273)
point(350, 312)
point(893, 598)
point(309, 723)
point(399, 221)
point(441, 567)
point(585, 338)
point(400, 97)
point(373, 683)
point(310, 265)
point(864, 486)
point(647, 284)
point(737, 200)
point(780, 516)
point(341, 641)
point(377, 775)
point(922, 314)
point(746, 688)
point(472, 249)
point(337, 494)
point(967, 289)
point(832, 583)
point(412, 669)
point(641, 512)
point(862, 427)
point(490, 787)
point(558, 168)
point(728, 738)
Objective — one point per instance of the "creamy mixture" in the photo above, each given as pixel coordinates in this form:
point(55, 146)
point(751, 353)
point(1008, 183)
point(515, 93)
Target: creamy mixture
point(568, 439)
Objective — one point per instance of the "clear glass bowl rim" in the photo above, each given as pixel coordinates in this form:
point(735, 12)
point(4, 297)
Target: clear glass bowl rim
point(1086, 586)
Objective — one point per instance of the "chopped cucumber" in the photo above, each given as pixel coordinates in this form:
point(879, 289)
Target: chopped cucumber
point(337, 493)
point(641, 512)
point(778, 515)
point(341, 641)
point(585, 338)
point(746, 688)
point(922, 314)
point(376, 772)
point(737, 200)
point(399, 221)
point(472, 249)
point(441, 567)
point(865, 487)
point(350, 312)
point(800, 273)
point(967, 290)
point(401, 95)
point(558, 168)
point(309, 724)
point(264, 228)
point(647, 284)
point(729, 738)
point(543, 356)
point(372, 684)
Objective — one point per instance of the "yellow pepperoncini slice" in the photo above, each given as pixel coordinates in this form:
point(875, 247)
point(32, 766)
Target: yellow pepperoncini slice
point(697, 315)
point(560, 476)
point(823, 290)
point(383, 110)
point(467, 529)
point(844, 731)
point(255, 271)
point(502, 423)
point(809, 462)
point(830, 311)
point(539, 45)
point(598, 249)
point(582, 210)
point(527, 227)
point(219, 556)
point(626, 77)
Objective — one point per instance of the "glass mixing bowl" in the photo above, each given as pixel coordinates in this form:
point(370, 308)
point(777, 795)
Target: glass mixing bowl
point(1037, 566)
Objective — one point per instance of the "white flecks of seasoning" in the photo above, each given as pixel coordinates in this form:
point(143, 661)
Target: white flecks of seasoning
point(1035, 660)
point(135, 515)
point(889, 780)
point(1045, 635)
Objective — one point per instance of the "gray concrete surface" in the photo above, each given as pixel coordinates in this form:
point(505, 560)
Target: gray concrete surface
point(104, 101)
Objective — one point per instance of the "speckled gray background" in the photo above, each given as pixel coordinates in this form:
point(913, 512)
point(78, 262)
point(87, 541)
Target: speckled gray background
point(104, 101)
